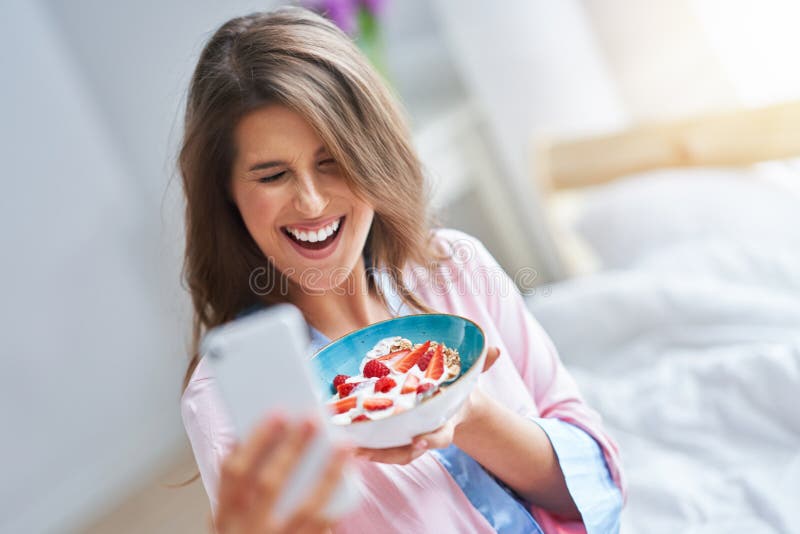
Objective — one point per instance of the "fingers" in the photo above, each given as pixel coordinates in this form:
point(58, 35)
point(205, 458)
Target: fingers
point(254, 473)
point(261, 443)
point(395, 455)
point(492, 353)
point(438, 439)
point(310, 516)
point(238, 468)
point(273, 474)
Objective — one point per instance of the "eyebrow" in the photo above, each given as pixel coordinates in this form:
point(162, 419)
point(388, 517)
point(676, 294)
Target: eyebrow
point(267, 164)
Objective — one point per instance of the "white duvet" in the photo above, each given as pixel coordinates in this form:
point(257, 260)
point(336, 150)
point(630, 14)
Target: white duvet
point(692, 356)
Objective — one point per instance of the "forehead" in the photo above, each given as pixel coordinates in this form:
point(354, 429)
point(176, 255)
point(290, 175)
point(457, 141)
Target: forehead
point(276, 132)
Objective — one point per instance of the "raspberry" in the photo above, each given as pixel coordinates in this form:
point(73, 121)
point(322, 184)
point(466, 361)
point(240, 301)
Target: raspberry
point(384, 385)
point(375, 369)
point(339, 380)
point(345, 389)
point(423, 362)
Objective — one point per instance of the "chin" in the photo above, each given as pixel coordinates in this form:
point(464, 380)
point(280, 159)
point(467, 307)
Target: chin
point(316, 279)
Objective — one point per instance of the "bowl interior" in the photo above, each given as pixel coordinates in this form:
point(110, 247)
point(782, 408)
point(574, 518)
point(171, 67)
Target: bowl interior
point(344, 355)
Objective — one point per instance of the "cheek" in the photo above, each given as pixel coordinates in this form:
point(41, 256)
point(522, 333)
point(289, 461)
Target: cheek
point(363, 213)
point(258, 213)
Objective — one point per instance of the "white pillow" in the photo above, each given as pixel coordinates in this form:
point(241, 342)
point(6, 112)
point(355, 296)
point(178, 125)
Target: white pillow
point(625, 221)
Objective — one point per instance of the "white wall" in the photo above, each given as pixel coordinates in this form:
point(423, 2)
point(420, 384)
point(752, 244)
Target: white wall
point(534, 68)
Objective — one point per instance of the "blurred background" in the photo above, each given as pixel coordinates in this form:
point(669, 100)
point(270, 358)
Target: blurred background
point(670, 293)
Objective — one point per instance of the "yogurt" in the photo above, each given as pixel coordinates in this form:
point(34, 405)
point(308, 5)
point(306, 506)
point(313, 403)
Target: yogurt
point(360, 403)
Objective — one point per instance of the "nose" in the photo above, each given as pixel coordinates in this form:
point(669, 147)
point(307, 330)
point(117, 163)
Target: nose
point(310, 199)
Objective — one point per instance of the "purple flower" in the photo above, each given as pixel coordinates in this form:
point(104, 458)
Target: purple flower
point(375, 7)
point(341, 12)
point(344, 12)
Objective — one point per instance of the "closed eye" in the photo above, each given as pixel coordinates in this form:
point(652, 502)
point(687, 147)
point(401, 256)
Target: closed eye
point(272, 178)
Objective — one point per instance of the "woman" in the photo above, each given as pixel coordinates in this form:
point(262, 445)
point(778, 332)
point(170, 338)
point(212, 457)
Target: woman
point(302, 186)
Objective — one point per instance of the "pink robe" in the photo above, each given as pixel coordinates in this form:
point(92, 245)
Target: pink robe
point(528, 378)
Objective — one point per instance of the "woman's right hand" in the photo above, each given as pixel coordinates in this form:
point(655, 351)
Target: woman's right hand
point(253, 475)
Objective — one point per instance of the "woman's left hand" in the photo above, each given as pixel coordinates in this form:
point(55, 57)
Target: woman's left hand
point(437, 439)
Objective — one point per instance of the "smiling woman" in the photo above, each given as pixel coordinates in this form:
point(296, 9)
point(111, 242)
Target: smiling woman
point(297, 166)
point(298, 207)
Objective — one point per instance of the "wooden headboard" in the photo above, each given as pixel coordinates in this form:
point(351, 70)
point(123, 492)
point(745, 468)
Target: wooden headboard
point(562, 167)
point(731, 139)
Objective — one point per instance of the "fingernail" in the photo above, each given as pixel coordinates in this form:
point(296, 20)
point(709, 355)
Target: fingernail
point(421, 445)
point(280, 423)
point(271, 423)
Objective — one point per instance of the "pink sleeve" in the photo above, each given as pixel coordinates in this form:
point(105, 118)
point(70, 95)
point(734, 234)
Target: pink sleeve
point(209, 430)
point(554, 391)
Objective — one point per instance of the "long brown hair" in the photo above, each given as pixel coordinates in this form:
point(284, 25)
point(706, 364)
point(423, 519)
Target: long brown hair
point(298, 59)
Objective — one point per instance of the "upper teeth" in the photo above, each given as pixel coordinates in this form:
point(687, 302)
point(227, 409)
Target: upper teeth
point(313, 236)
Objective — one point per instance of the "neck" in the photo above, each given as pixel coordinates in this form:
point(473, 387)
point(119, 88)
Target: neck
point(344, 308)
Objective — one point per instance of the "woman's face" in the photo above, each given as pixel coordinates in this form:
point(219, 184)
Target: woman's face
point(295, 201)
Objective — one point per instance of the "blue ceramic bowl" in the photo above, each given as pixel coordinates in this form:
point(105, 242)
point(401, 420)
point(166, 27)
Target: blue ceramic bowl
point(344, 355)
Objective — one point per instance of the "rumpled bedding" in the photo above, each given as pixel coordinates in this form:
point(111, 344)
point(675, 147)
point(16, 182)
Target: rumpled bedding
point(692, 356)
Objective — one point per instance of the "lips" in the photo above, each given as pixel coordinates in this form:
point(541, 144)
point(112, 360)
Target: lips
point(314, 238)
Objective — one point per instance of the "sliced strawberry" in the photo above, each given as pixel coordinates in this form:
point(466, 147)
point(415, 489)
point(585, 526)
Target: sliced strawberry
point(345, 389)
point(377, 403)
point(408, 361)
point(343, 405)
point(393, 355)
point(425, 360)
point(424, 388)
point(384, 385)
point(436, 368)
point(359, 418)
point(410, 385)
point(375, 369)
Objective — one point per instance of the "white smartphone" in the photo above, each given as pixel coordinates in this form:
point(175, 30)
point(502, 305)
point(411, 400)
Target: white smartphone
point(260, 363)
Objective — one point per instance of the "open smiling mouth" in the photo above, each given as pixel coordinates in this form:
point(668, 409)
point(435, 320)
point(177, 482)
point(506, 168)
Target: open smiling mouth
point(315, 239)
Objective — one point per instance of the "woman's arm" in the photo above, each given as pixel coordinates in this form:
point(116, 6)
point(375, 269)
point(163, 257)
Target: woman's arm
point(518, 452)
point(532, 353)
point(559, 433)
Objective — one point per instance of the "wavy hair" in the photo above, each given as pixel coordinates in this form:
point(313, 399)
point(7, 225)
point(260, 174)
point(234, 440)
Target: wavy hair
point(298, 59)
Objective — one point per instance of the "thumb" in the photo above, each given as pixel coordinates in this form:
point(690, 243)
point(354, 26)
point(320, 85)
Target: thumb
point(492, 353)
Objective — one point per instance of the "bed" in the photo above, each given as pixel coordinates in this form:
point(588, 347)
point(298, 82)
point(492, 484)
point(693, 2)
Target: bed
point(678, 312)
